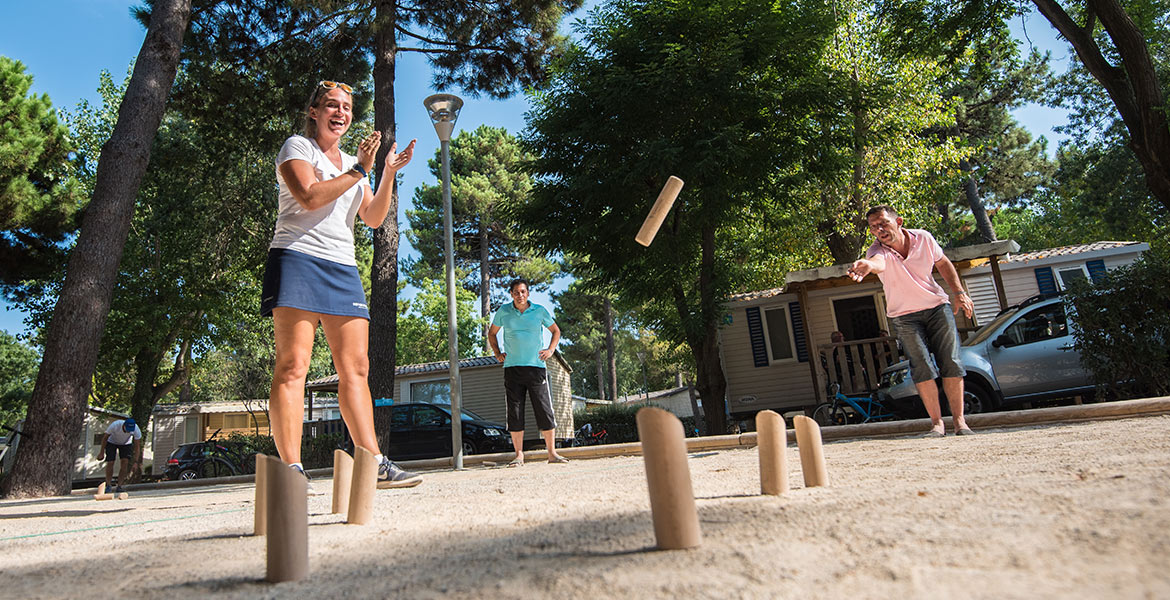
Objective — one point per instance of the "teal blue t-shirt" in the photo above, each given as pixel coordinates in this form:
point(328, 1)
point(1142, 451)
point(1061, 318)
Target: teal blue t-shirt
point(523, 333)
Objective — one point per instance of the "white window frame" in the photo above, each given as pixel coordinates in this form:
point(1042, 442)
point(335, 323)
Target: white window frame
point(408, 386)
point(1083, 268)
point(768, 334)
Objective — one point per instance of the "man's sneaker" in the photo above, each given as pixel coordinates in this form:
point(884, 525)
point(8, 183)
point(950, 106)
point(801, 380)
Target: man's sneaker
point(391, 475)
point(119, 490)
point(301, 470)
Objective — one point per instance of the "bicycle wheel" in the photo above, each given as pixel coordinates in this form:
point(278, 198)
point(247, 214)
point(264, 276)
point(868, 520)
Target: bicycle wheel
point(216, 467)
point(839, 416)
point(823, 414)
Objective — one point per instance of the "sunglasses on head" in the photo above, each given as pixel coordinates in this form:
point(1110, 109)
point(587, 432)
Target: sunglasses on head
point(329, 85)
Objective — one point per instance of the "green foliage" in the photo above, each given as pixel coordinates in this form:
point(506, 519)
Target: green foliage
point(870, 145)
point(38, 196)
point(486, 174)
point(1123, 327)
point(316, 452)
point(422, 325)
point(18, 373)
point(620, 421)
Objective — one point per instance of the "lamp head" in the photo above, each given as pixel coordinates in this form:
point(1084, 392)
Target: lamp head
point(443, 110)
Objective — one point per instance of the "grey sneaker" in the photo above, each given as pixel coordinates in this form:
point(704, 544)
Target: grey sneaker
point(391, 475)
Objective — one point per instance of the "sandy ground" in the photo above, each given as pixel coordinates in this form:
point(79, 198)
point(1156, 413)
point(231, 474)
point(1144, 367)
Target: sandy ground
point(1068, 511)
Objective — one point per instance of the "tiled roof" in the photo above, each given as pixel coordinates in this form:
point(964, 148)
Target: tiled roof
point(755, 295)
point(1066, 251)
point(431, 367)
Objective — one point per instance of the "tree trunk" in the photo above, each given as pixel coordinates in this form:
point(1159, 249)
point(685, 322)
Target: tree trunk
point(601, 377)
point(1133, 87)
point(971, 190)
point(485, 282)
point(696, 411)
point(384, 271)
point(711, 382)
point(44, 459)
point(610, 353)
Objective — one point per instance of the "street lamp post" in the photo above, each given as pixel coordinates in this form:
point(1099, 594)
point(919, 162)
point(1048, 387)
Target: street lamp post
point(443, 110)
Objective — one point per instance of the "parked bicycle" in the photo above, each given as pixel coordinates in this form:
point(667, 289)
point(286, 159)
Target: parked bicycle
point(843, 410)
point(585, 436)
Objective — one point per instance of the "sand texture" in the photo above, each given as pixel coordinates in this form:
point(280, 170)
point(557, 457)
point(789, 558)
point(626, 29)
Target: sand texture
point(1060, 511)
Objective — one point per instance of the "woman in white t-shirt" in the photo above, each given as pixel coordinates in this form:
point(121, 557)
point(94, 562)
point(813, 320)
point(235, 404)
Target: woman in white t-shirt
point(311, 276)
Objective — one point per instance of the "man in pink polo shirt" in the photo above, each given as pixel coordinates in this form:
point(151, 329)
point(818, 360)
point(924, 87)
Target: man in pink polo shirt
point(919, 309)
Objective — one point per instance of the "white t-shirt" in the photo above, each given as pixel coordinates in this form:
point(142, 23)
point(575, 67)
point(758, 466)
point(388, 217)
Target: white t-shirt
point(328, 231)
point(120, 437)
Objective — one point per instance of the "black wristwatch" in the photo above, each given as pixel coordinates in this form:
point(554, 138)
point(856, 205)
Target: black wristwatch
point(357, 166)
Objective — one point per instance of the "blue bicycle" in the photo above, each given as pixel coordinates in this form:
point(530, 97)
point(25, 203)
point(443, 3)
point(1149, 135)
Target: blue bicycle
point(843, 410)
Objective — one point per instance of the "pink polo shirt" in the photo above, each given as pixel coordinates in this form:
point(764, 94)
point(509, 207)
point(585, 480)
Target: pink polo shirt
point(909, 282)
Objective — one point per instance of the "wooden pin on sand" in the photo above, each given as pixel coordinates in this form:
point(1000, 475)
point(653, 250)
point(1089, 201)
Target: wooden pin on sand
point(812, 453)
point(342, 476)
point(672, 499)
point(773, 441)
point(260, 505)
point(659, 211)
point(101, 493)
point(287, 506)
point(364, 484)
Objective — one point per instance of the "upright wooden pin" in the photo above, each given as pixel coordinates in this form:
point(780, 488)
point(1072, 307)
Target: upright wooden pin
point(286, 501)
point(363, 486)
point(342, 476)
point(260, 505)
point(659, 211)
point(672, 500)
point(812, 453)
point(773, 441)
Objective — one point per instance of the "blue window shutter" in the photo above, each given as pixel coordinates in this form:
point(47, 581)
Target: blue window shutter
point(798, 331)
point(1096, 270)
point(1045, 280)
point(756, 333)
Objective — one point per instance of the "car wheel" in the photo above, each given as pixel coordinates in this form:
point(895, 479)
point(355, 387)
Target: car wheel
point(823, 414)
point(975, 399)
point(188, 474)
point(468, 447)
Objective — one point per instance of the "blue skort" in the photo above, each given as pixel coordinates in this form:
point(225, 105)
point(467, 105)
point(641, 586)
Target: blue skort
point(297, 280)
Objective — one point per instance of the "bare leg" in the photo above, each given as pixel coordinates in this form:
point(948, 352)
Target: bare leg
point(518, 445)
point(109, 473)
point(294, 331)
point(123, 471)
point(550, 443)
point(953, 386)
point(349, 339)
point(928, 392)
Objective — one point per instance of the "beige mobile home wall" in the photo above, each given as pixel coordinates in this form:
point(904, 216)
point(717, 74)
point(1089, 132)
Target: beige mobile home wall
point(482, 392)
point(781, 385)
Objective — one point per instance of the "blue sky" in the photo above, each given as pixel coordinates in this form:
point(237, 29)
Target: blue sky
point(88, 36)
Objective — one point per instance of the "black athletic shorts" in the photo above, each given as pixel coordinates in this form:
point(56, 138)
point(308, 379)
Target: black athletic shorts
point(534, 381)
point(113, 450)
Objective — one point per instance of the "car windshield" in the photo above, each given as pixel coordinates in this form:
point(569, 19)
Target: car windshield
point(984, 332)
point(463, 412)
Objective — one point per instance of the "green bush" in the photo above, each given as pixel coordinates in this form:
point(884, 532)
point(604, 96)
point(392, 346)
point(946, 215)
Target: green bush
point(316, 453)
point(620, 421)
point(1123, 327)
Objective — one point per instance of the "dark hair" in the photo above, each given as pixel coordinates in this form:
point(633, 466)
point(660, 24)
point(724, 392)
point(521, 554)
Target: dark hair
point(516, 282)
point(880, 209)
